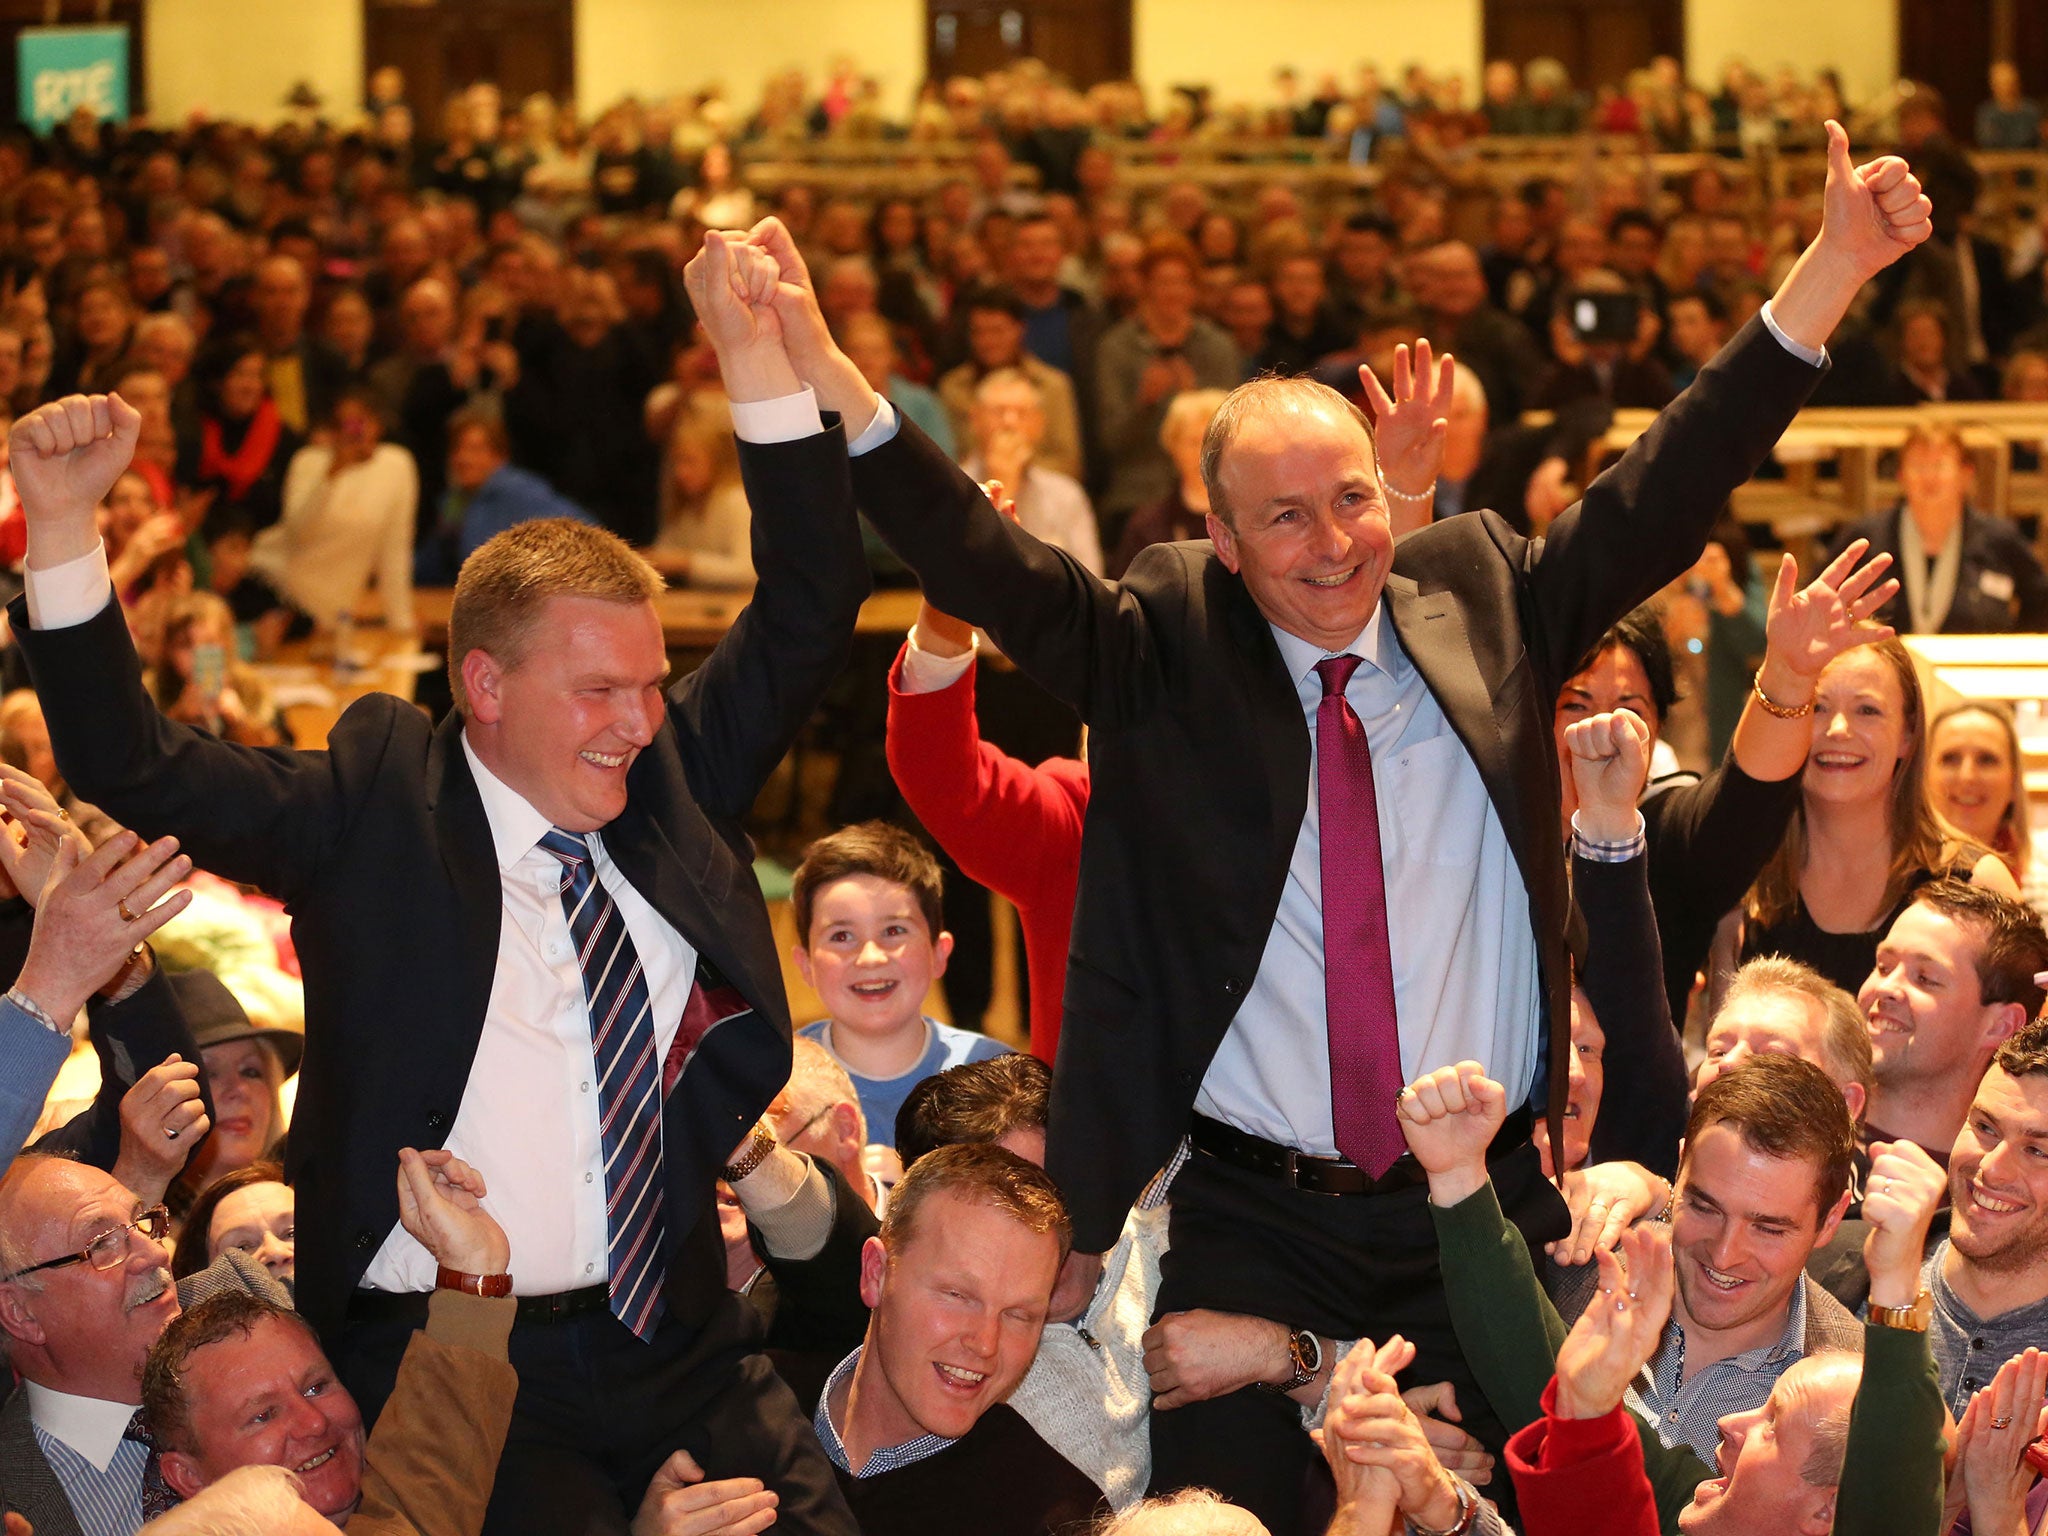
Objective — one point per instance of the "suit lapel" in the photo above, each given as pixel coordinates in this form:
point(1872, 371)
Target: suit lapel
point(1432, 630)
point(1279, 728)
point(463, 833)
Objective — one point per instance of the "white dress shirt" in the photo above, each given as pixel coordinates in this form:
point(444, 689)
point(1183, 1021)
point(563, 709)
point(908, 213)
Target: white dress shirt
point(528, 1119)
point(1465, 976)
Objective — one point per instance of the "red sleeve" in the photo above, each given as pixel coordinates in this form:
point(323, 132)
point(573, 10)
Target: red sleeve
point(1581, 1477)
point(1011, 827)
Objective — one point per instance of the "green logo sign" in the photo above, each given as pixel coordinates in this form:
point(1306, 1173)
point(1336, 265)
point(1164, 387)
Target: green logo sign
point(64, 68)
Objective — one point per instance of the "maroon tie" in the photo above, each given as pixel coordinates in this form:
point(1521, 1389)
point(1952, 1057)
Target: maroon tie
point(1358, 962)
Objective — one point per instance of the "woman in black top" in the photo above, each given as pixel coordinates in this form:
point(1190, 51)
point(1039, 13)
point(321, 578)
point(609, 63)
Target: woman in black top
point(1865, 835)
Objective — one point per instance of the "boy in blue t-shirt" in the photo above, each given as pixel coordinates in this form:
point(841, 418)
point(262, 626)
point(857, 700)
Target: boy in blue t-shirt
point(867, 913)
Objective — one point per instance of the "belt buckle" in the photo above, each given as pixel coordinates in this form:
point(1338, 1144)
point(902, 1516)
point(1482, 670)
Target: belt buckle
point(1294, 1161)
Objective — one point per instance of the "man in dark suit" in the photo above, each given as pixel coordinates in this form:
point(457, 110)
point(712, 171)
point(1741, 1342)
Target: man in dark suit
point(1199, 1001)
point(456, 892)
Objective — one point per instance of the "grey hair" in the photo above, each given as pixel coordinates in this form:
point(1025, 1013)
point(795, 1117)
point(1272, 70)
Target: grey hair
point(1247, 400)
point(254, 1500)
point(1845, 1033)
point(816, 1082)
point(1190, 1512)
point(1823, 1465)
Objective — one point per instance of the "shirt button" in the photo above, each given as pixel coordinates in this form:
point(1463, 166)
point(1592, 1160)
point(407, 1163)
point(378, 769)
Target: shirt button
point(1976, 1343)
point(587, 1178)
point(583, 1087)
point(588, 1268)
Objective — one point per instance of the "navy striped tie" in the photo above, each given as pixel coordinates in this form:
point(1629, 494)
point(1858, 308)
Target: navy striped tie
point(628, 1085)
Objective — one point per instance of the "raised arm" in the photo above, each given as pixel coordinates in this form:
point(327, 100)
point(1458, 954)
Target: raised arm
point(1623, 977)
point(1086, 642)
point(433, 1455)
point(1644, 522)
point(740, 710)
point(262, 817)
point(1804, 630)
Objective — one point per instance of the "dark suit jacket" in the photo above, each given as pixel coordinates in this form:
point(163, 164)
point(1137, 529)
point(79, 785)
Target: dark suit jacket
point(381, 849)
point(2000, 586)
point(27, 1485)
point(1200, 752)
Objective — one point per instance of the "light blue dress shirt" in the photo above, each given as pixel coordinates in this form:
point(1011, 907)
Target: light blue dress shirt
point(1464, 951)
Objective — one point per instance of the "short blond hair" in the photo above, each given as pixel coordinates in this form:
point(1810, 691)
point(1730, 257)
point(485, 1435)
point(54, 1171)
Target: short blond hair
point(1190, 1512)
point(502, 588)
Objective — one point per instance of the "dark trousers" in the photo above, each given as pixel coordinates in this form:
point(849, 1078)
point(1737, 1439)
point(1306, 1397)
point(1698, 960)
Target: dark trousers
point(598, 1412)
point(1345, 1267)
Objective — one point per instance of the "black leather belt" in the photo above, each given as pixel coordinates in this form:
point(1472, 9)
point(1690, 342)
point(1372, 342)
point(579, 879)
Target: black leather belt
point(1331, 1175)
point(411, 1306)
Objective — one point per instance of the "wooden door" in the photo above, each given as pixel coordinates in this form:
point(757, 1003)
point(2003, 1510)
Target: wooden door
point(522, 46)
point(1599, 41)
point(1083, 40)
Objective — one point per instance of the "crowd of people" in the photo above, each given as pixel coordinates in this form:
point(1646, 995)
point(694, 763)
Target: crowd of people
point(1358, 1177)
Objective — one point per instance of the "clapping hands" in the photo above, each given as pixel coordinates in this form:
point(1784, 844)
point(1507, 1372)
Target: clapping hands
point(1621, 1327)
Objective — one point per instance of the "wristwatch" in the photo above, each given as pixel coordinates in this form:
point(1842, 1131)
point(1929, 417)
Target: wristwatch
point(492, 1286)
point(759, 1145)
point(1307, 1352)
point(1468, 1513)
point(1913, 1319)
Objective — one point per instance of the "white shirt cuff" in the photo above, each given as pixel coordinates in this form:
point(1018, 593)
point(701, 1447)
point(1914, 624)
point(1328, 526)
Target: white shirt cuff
point(925, 673)
point(877, 432)
point(781, 420)
point(60, 596)
point(1817, 357)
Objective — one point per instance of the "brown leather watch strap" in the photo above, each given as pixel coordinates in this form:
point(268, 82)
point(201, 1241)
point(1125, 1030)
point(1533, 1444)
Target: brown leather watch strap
point(447, 1279)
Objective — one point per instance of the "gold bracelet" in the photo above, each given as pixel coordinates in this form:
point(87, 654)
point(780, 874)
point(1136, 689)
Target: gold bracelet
point(1772, 707)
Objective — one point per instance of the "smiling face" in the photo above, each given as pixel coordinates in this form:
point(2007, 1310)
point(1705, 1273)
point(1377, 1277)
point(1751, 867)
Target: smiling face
point(261, 1220)
point(958, 1309)
point(1308, 530)
point(563, 724)
point(1742, 1227)
point(270, 1398)
point(1973, 778)
point(79, 1329)
point(1763, 1453)
point(1998, 1175)
point(1925, 1003)
point(1588, 1079)
point(871, 955)
point(1860, 737)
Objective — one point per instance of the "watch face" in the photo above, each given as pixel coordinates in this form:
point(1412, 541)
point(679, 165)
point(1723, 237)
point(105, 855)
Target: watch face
point(1308, 1351)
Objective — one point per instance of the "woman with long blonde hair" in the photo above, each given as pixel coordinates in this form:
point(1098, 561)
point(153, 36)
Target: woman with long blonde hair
point(1977, 780)
point(1866, 835)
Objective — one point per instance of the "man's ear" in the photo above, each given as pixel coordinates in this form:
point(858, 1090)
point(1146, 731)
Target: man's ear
point(2001, 1022)
point(182, 1473)
point(1225, 539)
point(481, 679)
point(1832, 1219)
point(874, 1265)
point(846, 1122)
point(17, 1316)
point(1857, 1098)
point(1815, 1510)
